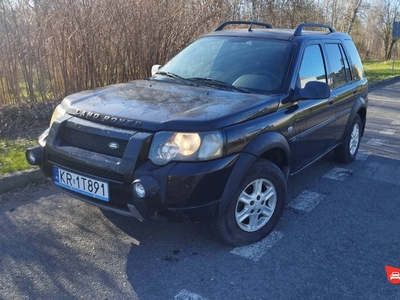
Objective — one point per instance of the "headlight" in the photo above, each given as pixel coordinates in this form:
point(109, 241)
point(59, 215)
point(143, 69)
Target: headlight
point(58, 113)
point(180, 146)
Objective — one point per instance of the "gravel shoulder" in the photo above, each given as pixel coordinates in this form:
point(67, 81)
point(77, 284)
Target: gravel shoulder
point(9, 200)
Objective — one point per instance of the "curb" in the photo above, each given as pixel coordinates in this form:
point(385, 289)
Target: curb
point(20, 179)
point(384, 81)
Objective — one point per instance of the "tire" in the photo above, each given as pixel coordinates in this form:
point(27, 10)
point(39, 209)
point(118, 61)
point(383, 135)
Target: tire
point(256, 206)
point(347, 152)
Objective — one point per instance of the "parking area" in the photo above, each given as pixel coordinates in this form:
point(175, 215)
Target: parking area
point(339, 230)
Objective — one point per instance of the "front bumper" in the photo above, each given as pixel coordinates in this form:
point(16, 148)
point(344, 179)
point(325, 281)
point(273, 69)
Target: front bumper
point(194, 191)
point(186, 191)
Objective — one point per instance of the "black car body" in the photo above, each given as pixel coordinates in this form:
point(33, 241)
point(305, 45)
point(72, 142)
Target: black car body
point(237, 109)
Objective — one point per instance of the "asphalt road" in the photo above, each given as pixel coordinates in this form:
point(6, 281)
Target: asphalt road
point(340, 229)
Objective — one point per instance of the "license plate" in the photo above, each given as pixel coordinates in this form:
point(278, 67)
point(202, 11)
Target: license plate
point(81, 184)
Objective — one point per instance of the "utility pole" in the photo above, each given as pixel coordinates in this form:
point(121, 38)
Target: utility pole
point(396, 35)
point(394, 55)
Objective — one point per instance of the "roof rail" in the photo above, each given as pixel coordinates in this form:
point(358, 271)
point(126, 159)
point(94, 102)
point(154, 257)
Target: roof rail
point(300, 27)
point(220, 27)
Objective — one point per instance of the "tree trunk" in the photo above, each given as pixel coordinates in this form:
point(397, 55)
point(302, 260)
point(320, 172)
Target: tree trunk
point(354, 16)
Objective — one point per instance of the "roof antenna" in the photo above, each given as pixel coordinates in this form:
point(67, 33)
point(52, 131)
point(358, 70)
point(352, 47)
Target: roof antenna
point(253, 12)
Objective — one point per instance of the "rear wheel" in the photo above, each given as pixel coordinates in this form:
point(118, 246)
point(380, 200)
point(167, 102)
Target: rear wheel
point(347, 152)
point(255, 207)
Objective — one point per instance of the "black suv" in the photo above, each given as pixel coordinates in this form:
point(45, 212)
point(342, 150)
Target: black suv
point(215, 133)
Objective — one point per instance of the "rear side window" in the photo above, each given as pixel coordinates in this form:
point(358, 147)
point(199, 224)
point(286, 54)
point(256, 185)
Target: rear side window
point(339, 65)
point(312, 66)
point(356, 65)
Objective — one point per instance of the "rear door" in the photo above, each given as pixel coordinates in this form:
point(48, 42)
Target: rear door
point(344, 87)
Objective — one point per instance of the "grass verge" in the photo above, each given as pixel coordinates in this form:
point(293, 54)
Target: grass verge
point(12, 155)
point(379, 70)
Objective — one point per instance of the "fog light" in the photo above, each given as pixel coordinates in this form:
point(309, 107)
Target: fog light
point(145, 187)
point(34, 155)
point(139, 190)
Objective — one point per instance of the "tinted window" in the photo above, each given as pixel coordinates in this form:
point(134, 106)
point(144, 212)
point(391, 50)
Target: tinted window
point(255, 64)
point(312, 66)
point(340, 67)
point(346, 64)
point(356, 65)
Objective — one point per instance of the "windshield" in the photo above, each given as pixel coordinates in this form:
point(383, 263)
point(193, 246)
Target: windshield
point(256, 65)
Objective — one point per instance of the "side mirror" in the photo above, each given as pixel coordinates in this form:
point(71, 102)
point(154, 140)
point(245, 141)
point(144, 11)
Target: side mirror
point(154, 69)
point(313, 90)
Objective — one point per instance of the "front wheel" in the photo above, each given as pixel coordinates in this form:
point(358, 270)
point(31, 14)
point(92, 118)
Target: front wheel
point(347, 152)
point(256, 206)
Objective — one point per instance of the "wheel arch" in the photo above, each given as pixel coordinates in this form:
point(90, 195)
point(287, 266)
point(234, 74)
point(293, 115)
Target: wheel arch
point(362, 112)
point(359, 108)
point(272, 146)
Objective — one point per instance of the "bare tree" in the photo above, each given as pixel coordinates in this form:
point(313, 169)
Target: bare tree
point(51, 48)
point(383, 13)
point(354, 14)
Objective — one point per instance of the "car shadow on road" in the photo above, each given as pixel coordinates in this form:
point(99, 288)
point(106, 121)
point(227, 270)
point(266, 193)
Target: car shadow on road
point(169, 256)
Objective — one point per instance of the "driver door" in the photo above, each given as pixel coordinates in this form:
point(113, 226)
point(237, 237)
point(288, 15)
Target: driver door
point(317, 115)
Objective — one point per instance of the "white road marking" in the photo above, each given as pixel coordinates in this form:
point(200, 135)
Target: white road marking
point(375, 142)
point(362, 156)
point(385, 99)
point(338, 174)
point(387, 131)
point(375, 97)
point(395, 123)
point(306, 201)
point(257, 250)
point(186, 295)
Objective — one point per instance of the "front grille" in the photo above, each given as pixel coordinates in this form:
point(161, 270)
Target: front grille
point(86, 169)
point(92, 142)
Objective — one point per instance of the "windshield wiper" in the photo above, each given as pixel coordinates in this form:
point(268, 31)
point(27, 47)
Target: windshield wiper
point(169, 74)
point(219, 83)
point(174, 76)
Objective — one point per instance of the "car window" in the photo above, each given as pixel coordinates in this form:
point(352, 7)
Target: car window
point(312, 66)
point(339, 65)
point(258, 65)
point(196, 60)
point(356, 65)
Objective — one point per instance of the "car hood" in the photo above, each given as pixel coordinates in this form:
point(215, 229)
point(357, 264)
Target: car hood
point(154, 105)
